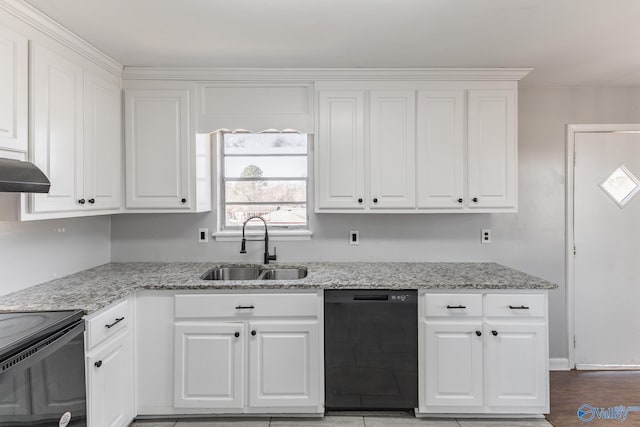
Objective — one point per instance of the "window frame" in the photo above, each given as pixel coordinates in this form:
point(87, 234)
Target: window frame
point(276, 232)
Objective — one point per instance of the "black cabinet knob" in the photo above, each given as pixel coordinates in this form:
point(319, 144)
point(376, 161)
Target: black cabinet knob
point(460, 200)
point(478, 333)
point(375, 200)
point(360, 200)
point(494, 333)
point(253, 333)
point(81, 201)
point(475, 200)
point(92, 201)
point(184, 200)
point(98, 364)
point(237, 334)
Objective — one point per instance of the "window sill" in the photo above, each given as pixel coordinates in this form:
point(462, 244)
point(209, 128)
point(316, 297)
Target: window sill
point(274, 235)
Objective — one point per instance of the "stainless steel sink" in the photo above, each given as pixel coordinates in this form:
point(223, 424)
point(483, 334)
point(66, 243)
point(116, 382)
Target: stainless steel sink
point(254, 273)
point(283, 274)
point(232, 273)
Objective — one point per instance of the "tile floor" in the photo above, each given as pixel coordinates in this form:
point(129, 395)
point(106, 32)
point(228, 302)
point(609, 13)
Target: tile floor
point(338, 421)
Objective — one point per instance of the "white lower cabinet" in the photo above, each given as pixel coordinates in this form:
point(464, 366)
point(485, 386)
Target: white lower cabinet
point(284, 359)
point(110, 367)
point(483, 354)
point(209, 365)
point(247, 353)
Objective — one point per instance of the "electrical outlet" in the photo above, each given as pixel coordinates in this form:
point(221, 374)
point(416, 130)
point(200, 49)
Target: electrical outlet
point(486, 236)
point(354, 237)
point(203, 235)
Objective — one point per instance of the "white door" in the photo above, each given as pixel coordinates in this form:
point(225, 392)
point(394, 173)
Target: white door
point(209, 365)
point(57, 96)
point(607, 245)
point(13, 90)
point(453, 364)
point(516, 354)
point(492, 149)
point(392, 149)
point(284, 364)
point(110, 383)
point(157, 146)
point(102, 143)
point(340, 150)
point(440, 149)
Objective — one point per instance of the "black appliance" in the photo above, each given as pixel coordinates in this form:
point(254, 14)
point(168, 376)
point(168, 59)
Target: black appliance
point(19, 176)
point(42, 379)
point(371, 349)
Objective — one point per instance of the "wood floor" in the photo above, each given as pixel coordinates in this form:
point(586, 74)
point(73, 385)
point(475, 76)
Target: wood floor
point(600, 389)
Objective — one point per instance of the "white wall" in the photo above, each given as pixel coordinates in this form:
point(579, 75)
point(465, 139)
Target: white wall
point(38, 251)
point(531, 241)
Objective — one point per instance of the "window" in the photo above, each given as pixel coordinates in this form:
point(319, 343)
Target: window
point(264, 175)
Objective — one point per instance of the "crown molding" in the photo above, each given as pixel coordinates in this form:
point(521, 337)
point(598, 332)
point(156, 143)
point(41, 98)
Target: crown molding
point(311, 74)
point(41, 22)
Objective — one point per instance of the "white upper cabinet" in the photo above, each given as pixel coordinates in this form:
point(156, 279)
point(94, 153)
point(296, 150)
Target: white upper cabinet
point(56, 99)
point(440, 149)
point(13, 92)
point(492, 149)
point(160, 150)
point(76, 137)
point(441, 146)
point(340, 150)
point(392, 149)
point(102, 143)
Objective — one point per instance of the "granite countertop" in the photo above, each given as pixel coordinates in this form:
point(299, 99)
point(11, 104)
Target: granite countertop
point(93, 289)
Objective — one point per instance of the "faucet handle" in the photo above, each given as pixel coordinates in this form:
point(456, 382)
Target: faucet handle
point(275, 254)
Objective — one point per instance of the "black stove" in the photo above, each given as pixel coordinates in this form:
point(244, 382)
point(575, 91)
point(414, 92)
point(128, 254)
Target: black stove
point(42, 376)
point(19, 329)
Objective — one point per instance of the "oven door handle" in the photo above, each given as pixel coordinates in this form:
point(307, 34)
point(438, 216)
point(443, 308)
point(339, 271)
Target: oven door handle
point(39, 351)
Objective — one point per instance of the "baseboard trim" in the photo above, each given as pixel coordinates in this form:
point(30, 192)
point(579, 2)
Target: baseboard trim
point(559, 364)
point(596, 367)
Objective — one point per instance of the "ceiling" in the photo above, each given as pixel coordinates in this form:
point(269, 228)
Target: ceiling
point(567, 42)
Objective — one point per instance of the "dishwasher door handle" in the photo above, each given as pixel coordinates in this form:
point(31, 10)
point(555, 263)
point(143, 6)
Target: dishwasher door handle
point(371, 297)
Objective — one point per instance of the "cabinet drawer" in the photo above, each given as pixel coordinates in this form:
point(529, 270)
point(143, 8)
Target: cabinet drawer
point(453, 305)
point(108, 323)
point(516, 305)
point(246, 305)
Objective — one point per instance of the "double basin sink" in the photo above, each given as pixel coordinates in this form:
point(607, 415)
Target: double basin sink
point(254, 273)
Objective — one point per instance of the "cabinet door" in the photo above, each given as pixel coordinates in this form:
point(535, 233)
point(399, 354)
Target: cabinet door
point(392, 149)
point(453, 365)
point(516, 365)
point(157, 148)
point(110, 383)
point(57, 130)
point(440, 149)
point(492, 149)
point(209, 365)
point(284, 364)
point(102, 143)
point(340, 150)
point(13, 91)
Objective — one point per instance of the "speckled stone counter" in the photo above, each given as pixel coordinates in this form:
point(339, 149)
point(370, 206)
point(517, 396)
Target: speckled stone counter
point(93, 289)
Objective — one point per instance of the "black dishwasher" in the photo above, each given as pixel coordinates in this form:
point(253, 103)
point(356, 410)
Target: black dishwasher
point(371, 349)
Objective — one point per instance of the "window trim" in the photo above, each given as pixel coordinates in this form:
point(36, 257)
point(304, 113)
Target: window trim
point(276, 232)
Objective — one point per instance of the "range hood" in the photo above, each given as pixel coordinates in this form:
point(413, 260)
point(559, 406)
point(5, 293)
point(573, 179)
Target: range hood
point(22, 177)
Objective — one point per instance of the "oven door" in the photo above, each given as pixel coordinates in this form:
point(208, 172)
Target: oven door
point(44, 385)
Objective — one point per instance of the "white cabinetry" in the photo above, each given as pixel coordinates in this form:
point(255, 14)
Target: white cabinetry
point(110, 366)
point(492, 148)
point(423, 147)
point(161, 148)
point(483, 353)
point(266, 347)
point(76, 137)
point(13, 94)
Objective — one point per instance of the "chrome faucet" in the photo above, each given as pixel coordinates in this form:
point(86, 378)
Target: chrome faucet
point(243, 246)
